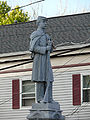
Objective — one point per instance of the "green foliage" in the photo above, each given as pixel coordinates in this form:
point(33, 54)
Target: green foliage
point(8, 17)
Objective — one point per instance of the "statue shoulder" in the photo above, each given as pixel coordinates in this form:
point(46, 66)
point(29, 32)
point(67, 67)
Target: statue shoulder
point(35, 34)
point(34, 38)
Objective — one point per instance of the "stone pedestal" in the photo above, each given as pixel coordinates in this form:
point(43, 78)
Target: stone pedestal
point(45, 111)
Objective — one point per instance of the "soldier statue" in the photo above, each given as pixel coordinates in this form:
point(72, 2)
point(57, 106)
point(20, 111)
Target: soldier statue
point(40, 47)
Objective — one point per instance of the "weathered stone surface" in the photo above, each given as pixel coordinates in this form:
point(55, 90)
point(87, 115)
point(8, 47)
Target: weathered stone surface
point(41, 46)
point(48, 111)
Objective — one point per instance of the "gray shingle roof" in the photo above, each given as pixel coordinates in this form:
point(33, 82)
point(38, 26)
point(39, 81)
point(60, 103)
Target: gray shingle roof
point(62, 29)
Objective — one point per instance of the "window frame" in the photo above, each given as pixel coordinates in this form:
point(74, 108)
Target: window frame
point(83, 88)
point(21, 80)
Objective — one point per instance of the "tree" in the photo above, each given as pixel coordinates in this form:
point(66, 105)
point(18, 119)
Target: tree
point(8, 16)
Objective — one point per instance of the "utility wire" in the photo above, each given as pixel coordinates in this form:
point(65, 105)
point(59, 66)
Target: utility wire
point(72, 67)
point(30, 61)
point(76, 110)
point(12, 66)
point(56, 75)
point(79, 108)
point(28, 4)
point(7, 100)
point(24, 6)
point(70, 59)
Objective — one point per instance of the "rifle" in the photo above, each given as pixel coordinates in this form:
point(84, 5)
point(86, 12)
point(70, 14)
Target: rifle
point(46, 96)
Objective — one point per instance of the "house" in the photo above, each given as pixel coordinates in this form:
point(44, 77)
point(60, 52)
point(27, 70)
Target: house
point(70, 62)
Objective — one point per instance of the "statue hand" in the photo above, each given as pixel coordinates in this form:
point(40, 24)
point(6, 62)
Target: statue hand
point(48, 48)
point(50, 43)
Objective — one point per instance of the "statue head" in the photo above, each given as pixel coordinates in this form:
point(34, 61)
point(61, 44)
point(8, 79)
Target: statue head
point(41, 21)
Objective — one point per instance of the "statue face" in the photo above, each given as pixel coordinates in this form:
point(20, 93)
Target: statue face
point(42, 24)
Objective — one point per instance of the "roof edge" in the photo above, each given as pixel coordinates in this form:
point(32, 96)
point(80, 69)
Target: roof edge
point(69, 15)
point(48, 18)
point(14, 53)
point(69, 47)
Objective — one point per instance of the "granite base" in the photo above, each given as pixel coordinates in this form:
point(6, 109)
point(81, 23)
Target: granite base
point(45, 111)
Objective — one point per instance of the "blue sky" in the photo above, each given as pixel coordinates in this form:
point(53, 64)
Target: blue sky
point(51, 8)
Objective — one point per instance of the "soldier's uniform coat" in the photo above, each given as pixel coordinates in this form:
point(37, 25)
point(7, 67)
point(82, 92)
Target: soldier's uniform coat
point(42, 70)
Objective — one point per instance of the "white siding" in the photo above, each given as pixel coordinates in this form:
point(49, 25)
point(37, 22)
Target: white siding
point(62, 92)
point(6, 111)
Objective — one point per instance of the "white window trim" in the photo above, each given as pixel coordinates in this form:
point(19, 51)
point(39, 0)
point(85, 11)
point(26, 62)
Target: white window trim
point(83, 103)
point(21, 80)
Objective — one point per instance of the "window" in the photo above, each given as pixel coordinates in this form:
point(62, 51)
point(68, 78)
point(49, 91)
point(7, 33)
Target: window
point(86, 88)
point(28, 93)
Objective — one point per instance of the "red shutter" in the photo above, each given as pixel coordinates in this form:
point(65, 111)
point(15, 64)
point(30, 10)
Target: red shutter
point(15, 94)
point(76, 85)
